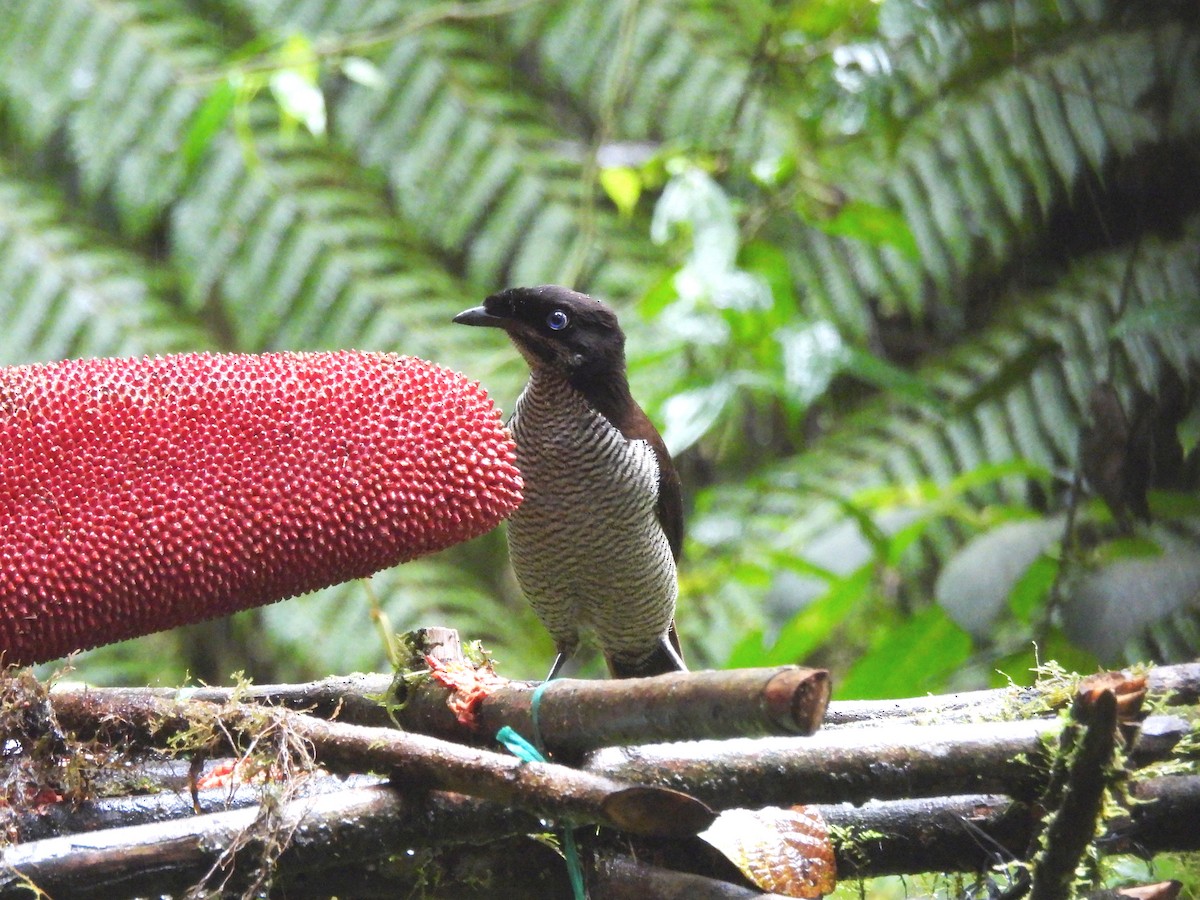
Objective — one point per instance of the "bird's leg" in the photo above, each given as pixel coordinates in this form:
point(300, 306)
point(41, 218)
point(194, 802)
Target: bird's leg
point(564, 653)
point(671, 651)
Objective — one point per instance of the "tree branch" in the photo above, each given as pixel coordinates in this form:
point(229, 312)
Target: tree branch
point(333, 835)
point(153, 859)
point(1073, 824)
point(409, 759)
point(574, 716)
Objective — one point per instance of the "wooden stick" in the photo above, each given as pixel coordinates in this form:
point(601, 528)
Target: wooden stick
point(855, 765)
point(574, 716)
point(171, 857)
point(355, 825)
point(409, 759)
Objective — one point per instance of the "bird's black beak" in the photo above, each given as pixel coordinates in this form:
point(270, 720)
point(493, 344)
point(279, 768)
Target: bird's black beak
point(478, 315)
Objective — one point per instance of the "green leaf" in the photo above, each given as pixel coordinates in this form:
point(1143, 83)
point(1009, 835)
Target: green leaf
point(1127, 548)
point(993, 472)
point(770, 263)
point(892, 378)
point(822, 18)
point(909, 660)
point(1016, 372)
point(872, 224)
point(1032, 589)
point(1174, 504)
point(362, 71)
point(300, 100)
point(689, 415)
point(810, 627)
point(1175, 313)
point(207, 121)
point(295, 85)
point(623, 185)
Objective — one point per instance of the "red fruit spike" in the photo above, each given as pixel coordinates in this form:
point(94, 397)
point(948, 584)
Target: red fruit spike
point(141, 494)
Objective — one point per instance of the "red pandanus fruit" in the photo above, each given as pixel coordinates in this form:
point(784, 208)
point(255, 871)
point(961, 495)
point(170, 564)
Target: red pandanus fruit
point(141, 494)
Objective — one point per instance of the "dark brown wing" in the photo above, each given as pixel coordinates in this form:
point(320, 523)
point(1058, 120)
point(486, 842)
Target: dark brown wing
point(670, 495)
point(636, 426)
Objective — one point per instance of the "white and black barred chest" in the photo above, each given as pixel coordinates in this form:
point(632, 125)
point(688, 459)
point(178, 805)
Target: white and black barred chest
point(586, 544)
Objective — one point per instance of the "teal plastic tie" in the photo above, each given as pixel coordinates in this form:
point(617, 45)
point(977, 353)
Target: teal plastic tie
point(515, 744)
point(518, 746)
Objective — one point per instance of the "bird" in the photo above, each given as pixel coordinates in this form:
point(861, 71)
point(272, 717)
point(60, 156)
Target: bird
point(595, 541)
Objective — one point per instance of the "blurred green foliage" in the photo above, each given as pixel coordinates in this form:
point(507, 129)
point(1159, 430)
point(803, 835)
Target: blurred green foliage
point(872, 259)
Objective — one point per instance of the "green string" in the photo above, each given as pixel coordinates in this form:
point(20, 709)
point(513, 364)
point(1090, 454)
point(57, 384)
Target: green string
point(518, 746)
point(535, 706)
point(527, 752)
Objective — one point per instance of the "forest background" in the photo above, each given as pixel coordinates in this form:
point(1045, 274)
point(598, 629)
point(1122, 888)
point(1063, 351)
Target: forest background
point(912, 289)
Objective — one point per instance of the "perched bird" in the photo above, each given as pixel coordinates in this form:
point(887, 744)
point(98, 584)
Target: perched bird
point(595, 541)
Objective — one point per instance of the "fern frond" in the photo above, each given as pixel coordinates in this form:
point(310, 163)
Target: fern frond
point(652, 71)
point(978, 176)
point(648, 71)
point(480, 168)
point(114, 76)
point(292, 250)
point(1018, 391)
point(66, 291)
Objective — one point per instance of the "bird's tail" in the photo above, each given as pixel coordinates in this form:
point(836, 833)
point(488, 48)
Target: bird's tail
point(666, 657)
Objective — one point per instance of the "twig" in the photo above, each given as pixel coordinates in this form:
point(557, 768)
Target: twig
point(53, 820)
point(356, 825)
point(1177, 685)
point(855, 765)
point(746, 710)
point(153, 859)
point(622, 878)
point(848, 765)
point(1073, 824)
point(410, 759)
point(574, 716)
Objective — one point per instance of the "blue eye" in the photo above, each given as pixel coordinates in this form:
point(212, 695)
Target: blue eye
point(557, 320)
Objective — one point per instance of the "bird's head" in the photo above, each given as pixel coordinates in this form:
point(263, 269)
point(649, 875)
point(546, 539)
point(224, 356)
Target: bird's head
point(556, 329)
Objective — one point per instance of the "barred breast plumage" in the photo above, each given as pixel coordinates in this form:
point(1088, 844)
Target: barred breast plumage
point(586, 545)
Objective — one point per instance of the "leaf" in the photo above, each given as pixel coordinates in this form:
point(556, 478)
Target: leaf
point(1175, 312)
point(782, 851)
point(208, 120)
point(770, 263)
point(689, 415)
point(980, 580)
point(1128, 548)
point(362, 71)
point(812, 356)
point(1113, 603)
point(1032, 589)
point(810, 627)
point(693, 203)
point(300, 99)
point(657, 811)
point(623, 185)
point(911, 659)
point(872, 224)
point(892, 378)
